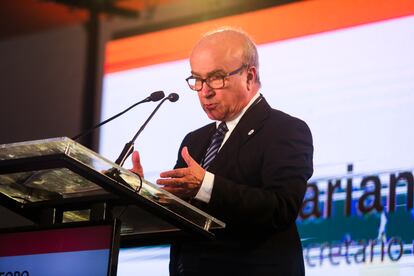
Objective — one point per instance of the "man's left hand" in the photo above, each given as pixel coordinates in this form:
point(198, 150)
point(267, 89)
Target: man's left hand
point(183, 182)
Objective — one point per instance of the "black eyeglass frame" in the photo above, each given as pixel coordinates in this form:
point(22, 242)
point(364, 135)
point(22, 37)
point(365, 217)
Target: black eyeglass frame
point(208, 79)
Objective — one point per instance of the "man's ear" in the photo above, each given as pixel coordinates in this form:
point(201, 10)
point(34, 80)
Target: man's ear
point(251, 77)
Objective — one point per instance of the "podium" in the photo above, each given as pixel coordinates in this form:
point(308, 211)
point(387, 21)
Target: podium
point(57, 180)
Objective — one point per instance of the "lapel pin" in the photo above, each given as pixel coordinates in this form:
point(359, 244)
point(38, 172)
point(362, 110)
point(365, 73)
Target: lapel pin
point(250, 132)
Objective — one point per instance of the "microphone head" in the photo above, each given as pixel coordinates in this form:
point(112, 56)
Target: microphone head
point(173, 97)
point(156, 96)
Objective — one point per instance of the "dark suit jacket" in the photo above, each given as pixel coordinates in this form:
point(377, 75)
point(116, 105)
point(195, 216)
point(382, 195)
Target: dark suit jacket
point(260, 181)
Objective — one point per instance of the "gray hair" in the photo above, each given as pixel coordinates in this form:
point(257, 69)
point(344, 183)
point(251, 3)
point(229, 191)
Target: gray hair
point(250, 54)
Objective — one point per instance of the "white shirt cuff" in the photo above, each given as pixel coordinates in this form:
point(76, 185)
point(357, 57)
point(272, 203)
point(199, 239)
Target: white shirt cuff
point(204, 194)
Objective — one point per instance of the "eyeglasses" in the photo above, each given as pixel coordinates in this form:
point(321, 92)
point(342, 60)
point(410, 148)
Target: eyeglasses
point(214, 81)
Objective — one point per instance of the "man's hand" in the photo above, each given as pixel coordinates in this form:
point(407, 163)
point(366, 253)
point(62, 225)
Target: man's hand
point(183, 182)
point(136, 164)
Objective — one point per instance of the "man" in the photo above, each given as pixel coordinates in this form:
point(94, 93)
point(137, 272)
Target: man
point(255, 183)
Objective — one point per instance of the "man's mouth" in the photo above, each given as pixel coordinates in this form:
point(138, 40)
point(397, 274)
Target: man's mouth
point(210, 106)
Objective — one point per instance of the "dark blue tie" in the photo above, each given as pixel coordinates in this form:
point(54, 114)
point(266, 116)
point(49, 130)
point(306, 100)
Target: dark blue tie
point(216, 141)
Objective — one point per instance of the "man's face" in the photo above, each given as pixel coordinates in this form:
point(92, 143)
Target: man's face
point(211, 59)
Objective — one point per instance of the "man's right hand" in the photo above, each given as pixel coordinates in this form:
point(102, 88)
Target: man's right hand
point(136, 164)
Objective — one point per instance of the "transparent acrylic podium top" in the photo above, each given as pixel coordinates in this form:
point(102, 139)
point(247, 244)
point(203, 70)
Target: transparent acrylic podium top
point(60, 183)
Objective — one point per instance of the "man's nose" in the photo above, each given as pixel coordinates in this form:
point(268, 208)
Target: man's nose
point(206, 91)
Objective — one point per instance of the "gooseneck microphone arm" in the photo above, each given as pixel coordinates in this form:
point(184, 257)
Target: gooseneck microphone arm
point(154, 97)
point(129, 147)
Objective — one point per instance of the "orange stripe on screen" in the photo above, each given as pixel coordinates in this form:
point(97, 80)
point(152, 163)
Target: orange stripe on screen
point(267, 25)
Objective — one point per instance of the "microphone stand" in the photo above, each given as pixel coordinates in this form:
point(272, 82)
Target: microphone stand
point(155, 96)
point(129, 147)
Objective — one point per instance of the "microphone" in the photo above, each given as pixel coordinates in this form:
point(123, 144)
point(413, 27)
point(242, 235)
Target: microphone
point(154, 97)
point(129, 147)
point(173, 97)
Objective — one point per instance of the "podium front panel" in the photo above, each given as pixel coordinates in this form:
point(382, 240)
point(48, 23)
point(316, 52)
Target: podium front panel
point(58, 170)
